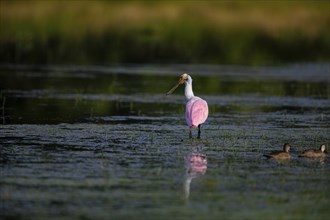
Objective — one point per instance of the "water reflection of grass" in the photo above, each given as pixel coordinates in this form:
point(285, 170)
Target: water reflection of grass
point(3, 104)
point(108, 32)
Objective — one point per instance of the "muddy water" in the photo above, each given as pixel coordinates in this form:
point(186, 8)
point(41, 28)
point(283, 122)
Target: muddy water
point(81, 142)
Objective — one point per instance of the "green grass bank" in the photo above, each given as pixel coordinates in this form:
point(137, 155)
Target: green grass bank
point(211, 32)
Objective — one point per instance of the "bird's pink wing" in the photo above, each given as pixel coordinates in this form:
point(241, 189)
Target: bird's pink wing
point(196, 112)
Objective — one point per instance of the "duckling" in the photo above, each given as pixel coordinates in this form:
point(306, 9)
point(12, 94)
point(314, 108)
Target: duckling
point(315, 153)
point(280, 155)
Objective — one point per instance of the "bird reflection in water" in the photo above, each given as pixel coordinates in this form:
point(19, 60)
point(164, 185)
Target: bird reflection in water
point(196, 166)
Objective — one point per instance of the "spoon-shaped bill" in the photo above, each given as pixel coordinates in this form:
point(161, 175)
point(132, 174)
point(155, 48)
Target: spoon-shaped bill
point(173, 89)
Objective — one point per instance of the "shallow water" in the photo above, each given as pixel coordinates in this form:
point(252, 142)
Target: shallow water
point(93, 142)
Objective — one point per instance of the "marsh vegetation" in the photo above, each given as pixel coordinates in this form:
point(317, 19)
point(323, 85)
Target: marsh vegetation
point(85, 32)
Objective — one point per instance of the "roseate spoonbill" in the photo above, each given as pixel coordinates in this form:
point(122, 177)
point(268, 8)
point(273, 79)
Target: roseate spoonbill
point(280, 155)
point(314, 153)
point(196, 108)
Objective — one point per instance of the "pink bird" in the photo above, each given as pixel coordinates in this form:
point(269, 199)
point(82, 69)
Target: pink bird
point(196, 108)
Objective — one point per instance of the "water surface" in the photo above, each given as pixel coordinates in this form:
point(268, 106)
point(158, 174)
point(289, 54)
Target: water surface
point(95, 142)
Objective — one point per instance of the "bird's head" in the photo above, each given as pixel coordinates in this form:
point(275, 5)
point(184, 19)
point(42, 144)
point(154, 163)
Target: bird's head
point(323, 148)
point(286, 147)
point(182, 80)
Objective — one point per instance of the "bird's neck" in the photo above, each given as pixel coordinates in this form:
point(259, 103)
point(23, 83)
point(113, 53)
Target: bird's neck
point(188, 92)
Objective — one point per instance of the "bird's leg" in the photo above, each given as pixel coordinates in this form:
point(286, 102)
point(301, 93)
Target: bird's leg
point(199, 132)
point(190, 135)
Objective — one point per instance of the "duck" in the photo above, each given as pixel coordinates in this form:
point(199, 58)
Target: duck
point(280, 155)
point(315, 153)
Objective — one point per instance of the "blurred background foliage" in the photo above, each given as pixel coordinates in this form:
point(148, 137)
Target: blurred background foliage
point(210, 32)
